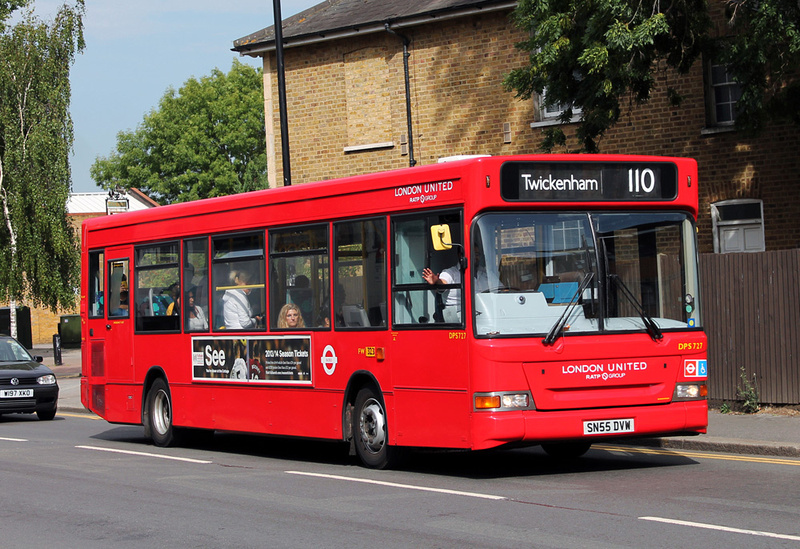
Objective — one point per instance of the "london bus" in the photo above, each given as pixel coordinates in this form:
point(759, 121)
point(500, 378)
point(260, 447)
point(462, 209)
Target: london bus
point(473, 304)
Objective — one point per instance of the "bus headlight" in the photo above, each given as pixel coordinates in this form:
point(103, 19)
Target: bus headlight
point(690, 391)
point(503, 401)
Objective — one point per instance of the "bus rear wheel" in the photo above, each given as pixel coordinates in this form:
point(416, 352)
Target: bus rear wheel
point(159, 414)
point(369, 431)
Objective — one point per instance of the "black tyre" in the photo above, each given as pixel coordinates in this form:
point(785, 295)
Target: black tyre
point(369, 431)
point(567, 450)
point(47, 415)
point(158, 414)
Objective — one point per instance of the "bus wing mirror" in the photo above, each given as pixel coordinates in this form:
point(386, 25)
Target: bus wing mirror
point(440, 235)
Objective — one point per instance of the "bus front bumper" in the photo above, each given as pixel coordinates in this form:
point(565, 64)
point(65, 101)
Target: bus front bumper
point(493, 429)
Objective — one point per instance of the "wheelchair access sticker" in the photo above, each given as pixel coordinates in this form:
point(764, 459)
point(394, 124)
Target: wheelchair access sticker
point(695, 368)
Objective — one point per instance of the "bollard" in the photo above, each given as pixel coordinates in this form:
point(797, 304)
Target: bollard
point(57, 350)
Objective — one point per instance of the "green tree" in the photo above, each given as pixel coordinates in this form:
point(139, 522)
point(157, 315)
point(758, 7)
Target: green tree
point(763, 54)
point(39, 256)
point(599, 54)
point(208, 139)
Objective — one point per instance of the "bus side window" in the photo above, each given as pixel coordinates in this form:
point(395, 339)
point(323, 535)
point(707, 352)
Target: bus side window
point(427, 284)
point(195, 285)
point(157, 292)
point(299, 277)
point(118, 290)
point(238, 282)
point(96, 284)
point(359, 293)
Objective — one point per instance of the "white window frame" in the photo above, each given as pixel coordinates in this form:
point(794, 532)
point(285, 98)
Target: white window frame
point(747, 227)
point(729, 87)
point(550, 116)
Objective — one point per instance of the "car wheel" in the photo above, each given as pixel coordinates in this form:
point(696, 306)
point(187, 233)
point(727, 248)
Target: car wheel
point(369, 431)
point(47, 415)
point(159, 414)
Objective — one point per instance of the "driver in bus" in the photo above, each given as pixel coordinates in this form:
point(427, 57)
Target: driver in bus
point(236, 304)
point(451, 298)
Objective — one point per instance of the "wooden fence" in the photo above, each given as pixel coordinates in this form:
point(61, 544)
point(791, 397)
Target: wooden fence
point(751, 313)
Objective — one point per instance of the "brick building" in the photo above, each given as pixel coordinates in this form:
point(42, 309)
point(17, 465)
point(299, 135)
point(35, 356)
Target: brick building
point(347, 109)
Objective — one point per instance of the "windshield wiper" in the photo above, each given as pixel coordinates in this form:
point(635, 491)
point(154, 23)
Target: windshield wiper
point(558, 327)
point(649, 323)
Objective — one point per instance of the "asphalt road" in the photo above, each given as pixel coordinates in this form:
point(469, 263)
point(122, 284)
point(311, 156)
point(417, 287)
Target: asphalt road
point(81, 482)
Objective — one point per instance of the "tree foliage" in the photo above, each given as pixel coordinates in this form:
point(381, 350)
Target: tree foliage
point(208, 139)
point(39, 255)
point(597, 54)
point(763, 54)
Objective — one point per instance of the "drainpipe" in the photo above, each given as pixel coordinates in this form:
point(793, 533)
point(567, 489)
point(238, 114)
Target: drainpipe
point(406, 55)
point(287, 165)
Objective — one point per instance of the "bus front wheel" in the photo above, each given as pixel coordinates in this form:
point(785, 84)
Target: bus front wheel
point(369, 430)
point(159, 414)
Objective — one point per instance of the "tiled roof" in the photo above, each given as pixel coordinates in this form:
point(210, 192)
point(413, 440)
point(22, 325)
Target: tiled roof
point(330, 18)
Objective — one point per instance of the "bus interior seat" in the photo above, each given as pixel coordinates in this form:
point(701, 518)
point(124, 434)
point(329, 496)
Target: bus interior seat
point(355, 316)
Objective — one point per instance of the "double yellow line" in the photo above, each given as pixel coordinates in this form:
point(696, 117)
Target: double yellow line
point(699, 455)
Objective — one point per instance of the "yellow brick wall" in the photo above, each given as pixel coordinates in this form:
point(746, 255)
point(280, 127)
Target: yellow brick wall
point(459, 107)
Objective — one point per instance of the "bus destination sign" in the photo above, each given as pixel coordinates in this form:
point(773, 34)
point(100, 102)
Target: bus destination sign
point(588, 181)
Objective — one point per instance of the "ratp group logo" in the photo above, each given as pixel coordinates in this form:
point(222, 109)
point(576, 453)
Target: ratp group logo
point(695, 368)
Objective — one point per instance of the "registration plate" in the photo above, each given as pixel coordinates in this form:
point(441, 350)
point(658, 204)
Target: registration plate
point(608, 426)
point(16, 393)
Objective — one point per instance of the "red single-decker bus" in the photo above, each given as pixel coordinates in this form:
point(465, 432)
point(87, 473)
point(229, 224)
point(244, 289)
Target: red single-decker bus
point(470, 304)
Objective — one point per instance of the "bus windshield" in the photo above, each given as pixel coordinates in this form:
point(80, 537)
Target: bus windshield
point(561, 273)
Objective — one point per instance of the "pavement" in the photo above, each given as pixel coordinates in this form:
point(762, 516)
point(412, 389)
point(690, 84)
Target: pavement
point(764, 433)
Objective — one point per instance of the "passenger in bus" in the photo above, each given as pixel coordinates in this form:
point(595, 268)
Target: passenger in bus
point(175, 295)
point(195, 317)
point(122, 309)
point(290, 317)
point(452, 298)
point(237, 312)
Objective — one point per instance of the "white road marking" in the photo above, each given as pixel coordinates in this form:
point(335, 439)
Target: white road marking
point(14, 439)
point(396, 485)
point(145, 454)
point(722, 528)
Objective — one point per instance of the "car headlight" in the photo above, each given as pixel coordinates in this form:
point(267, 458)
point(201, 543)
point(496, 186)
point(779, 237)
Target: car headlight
point(49, 379)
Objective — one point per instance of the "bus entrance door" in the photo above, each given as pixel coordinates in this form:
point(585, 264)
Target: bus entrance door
point(118, 328)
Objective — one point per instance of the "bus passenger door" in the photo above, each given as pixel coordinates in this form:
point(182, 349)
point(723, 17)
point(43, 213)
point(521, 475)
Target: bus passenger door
point(117, 331)
point(429, 342)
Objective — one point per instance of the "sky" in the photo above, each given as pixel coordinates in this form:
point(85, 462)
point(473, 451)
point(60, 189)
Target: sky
point(137, 49)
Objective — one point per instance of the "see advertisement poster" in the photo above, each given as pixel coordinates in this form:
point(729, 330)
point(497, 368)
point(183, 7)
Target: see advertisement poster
point(285, 359)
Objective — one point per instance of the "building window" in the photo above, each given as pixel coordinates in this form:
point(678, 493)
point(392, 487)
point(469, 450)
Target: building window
point(550, 115)
point(738, 226)
point(724, 93)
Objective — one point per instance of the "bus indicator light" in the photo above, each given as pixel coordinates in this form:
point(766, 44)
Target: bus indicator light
point(487, 402)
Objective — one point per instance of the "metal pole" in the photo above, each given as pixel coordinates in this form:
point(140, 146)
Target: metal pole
point(287, 170)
